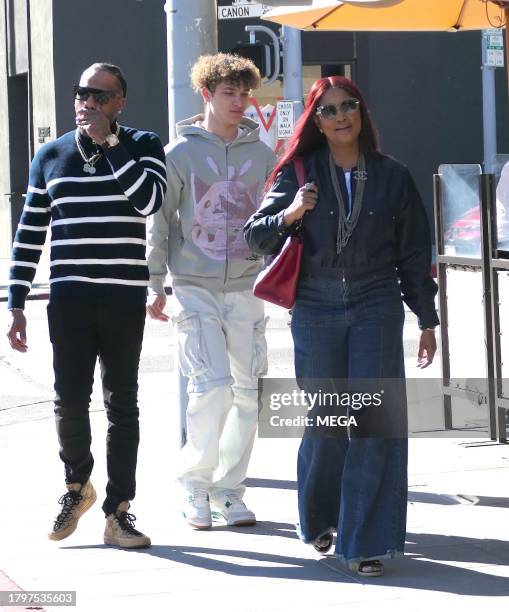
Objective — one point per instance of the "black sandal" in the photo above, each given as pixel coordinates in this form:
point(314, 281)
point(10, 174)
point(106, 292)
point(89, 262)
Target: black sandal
point(324, 543)
point(371, 569)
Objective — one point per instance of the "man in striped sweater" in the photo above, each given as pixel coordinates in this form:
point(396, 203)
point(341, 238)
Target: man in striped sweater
point(94, 187)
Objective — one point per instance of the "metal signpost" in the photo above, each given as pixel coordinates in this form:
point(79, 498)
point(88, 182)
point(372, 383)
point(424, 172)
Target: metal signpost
point(492, 58)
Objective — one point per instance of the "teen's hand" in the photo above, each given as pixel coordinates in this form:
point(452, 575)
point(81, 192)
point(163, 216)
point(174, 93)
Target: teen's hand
point(155, 307)
point(304, 201)
point(427, 348)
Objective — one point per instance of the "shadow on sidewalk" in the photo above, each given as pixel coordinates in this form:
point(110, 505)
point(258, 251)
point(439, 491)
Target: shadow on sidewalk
point(420, 497)
point(267, 528)
point(444, 499)
point(419, 569)
point(268, 483)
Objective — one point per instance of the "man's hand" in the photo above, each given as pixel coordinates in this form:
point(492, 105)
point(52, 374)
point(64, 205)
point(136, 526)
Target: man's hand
point(427, 349)
point(17, 333)
point(94, 123)
point(155, 307)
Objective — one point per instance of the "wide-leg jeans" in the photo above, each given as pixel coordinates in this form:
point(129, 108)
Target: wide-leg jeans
point(354, 484)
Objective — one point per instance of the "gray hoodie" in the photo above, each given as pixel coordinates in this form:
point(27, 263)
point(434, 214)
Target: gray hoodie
point(213, 189)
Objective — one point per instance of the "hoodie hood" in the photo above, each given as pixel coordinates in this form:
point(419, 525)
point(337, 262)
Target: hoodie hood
point(191, 127)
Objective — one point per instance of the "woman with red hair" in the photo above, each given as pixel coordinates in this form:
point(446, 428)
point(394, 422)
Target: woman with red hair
point(367, 249)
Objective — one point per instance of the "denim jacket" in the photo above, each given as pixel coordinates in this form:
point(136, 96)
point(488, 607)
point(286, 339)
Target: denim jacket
point(392, 236)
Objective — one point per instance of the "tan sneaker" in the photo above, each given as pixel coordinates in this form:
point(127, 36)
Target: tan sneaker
point(78, 499)
point(120, 530)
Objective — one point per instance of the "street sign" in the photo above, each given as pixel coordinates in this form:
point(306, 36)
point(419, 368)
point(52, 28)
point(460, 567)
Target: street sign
point(285, 114)
point(494, 48)
point(242, 10)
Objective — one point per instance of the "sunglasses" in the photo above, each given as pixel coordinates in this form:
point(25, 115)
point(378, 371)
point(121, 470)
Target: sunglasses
point(347, 107)
point(101, 96)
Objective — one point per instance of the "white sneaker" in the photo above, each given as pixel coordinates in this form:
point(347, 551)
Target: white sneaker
point(196, 509)
point(231, 507)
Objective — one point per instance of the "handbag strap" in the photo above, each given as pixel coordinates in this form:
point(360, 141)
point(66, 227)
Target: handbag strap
point(300, 172)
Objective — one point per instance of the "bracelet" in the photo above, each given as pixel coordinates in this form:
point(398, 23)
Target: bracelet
point(429, 329)
point(12, 309)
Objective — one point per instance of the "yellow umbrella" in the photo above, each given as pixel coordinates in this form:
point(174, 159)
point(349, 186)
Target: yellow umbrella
point(393, 15)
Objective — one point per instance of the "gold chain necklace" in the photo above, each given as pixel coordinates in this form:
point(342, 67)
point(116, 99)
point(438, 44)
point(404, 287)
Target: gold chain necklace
point(89, 165)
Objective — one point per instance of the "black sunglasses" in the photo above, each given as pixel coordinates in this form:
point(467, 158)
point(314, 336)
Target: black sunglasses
point(329, 111)
point(101, 96)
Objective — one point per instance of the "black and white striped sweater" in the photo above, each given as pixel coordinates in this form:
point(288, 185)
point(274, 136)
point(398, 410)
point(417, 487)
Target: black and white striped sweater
point(97, 221)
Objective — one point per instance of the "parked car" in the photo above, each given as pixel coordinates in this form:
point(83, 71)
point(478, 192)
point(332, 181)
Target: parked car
point(464, 234)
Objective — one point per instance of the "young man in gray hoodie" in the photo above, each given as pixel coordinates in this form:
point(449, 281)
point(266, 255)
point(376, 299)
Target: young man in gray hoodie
point(216, 173)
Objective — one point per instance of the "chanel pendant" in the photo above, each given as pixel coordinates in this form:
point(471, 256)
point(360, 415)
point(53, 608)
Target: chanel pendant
point(89, 168)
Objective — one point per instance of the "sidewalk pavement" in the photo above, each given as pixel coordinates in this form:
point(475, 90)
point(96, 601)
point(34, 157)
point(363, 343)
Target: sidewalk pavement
point(457, 555)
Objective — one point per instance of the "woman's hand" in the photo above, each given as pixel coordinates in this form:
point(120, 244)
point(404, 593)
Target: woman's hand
point(427, 348)
point(305, 200)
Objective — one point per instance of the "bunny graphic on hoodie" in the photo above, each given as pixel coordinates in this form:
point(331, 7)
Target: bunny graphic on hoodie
point(221, 210)
point(213, 189)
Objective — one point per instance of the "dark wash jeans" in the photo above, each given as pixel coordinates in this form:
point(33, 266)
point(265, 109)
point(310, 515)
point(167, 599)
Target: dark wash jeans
point(82, 331)
point(352, 484)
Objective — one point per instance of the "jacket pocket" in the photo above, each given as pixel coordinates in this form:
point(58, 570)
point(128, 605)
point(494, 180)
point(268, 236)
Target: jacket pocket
point(260, 363)
point(194, 359)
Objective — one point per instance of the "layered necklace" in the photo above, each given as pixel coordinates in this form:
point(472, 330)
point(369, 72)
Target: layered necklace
point(90, 162)
point(347, 223)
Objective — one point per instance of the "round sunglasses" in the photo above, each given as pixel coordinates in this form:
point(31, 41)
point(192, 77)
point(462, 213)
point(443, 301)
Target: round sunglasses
point(346, 107)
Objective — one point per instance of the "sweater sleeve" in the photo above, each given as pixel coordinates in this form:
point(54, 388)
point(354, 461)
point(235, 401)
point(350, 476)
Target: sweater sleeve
point(30, 236)
point(414, 256)
point(265, 230)
point(158, 230)
point(143, 181)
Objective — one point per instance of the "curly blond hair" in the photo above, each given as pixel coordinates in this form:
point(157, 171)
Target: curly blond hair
point(210, 70)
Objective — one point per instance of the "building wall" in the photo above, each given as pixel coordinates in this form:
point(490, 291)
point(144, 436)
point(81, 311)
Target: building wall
point(129, 33)
point(425, 95)
point(45, 45)
point(5, 182)
point(424, 91)
point(17, 33)
point(26, 29)
point(42, 57)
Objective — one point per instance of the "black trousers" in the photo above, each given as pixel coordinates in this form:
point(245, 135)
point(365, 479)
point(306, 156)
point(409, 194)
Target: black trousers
point(82, 331)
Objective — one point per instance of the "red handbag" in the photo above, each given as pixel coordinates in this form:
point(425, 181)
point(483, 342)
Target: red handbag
point(277, 283)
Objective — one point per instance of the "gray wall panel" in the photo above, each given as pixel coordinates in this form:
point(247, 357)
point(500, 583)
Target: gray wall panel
point(129, 33)
point(425, 93)
point(5, 182)
point(17, 34)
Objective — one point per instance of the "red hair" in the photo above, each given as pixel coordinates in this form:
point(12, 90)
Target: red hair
point(307, 137)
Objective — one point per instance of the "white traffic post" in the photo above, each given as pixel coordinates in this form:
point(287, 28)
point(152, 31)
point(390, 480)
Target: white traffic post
point(292, 66)
point(191, 32)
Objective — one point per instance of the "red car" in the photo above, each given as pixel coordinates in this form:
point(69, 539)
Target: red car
point(464, 234)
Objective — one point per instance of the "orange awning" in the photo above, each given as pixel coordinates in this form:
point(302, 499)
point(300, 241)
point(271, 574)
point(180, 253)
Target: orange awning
point(391, 15)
